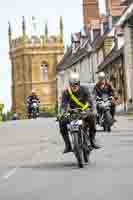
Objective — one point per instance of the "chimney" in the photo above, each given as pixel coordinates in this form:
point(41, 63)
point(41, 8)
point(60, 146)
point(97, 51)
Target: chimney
point(90, 11)
point(114, 10)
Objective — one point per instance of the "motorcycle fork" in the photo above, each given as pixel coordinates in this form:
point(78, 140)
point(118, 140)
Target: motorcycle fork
point(86, 137)
point(80, 139)
point(101, 118)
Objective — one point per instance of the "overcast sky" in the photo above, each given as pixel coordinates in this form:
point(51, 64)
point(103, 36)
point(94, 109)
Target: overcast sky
point(43, 10)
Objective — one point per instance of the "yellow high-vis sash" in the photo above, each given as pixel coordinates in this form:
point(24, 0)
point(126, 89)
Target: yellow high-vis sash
point(76, 100)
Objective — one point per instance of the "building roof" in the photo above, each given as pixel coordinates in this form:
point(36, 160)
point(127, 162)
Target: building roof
point(98, 41)
point(71, 58)
point(113, 55)
point(126, 2)
point(126, 15)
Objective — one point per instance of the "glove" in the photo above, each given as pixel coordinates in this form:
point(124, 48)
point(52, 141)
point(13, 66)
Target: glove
point(62, 113)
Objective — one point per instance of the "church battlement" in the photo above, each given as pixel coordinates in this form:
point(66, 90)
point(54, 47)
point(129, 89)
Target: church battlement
point(44, 40)
point(35, 41)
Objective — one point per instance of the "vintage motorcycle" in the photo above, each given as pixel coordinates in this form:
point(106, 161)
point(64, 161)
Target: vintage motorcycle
point(34, 109)
point(79, 136)
point(104, 117)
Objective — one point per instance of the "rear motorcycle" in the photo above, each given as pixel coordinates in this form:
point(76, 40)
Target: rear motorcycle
point(34, 110)
point(104, 118)
point(79, 137)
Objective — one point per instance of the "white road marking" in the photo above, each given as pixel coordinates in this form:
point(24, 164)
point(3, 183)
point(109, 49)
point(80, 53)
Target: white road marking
point(10, 173)
point(13, 171)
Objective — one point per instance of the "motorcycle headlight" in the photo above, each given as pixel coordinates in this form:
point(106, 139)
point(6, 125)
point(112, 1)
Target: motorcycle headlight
point(74, 116)
point(35, 105)
point(106, 104)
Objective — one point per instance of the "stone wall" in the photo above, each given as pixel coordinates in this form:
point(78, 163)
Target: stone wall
point(129, 60)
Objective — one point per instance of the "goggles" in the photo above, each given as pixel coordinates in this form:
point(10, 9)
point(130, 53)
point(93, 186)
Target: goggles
point(74, 84)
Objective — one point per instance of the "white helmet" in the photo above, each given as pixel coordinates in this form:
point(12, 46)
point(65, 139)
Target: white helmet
point(74, 78)
point(101, 76)
point(15, 114)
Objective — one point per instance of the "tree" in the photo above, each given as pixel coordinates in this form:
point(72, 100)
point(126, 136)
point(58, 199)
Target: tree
point(1, 110)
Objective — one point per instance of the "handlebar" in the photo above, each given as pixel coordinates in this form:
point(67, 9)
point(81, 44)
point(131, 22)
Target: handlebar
point(101, 98)
point(98, 98)
point(74, 109)
point(78, 110)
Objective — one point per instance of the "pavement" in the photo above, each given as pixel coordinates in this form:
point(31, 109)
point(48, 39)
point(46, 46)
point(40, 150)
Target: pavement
point(32, 166)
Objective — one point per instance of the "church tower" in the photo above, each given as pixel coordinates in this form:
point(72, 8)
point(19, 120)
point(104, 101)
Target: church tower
point(90, 11)
point(33, 61)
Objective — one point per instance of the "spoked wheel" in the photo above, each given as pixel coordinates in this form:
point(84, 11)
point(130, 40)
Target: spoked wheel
point(108, 121)
point(34, 114)
point(78, 149)
point(86, 150)
point(107, 128)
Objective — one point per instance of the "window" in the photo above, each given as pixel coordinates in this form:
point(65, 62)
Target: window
point(44, 71)
point(74, 69)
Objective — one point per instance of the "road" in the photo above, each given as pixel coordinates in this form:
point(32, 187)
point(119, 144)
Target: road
point(32, 166)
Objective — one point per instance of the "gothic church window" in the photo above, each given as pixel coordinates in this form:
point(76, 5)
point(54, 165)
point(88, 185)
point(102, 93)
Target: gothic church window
point(44, 71)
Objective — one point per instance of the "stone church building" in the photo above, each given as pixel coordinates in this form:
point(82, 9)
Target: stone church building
point(33, 61)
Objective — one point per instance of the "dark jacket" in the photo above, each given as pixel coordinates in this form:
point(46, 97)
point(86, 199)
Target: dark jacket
point(107, 89)
point(31, 98)
point(83, 96)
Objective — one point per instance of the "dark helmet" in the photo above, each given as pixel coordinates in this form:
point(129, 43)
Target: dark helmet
point(74, 79)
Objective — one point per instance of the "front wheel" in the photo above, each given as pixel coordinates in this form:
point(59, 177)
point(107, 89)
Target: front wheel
point(108, 121)
point(77, 142)
point(34, 114)
point(107, 128)
point(86, 150)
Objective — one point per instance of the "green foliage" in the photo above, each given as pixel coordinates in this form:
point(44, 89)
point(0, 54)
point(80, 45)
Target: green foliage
point(1, 119)
point(1, 107)
point(7, 116)
point(52, 110)
point(1, 111)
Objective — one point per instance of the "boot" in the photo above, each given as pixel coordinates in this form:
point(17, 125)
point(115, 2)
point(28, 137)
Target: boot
point(68, 147)
point(114, 119)
point(92, 141)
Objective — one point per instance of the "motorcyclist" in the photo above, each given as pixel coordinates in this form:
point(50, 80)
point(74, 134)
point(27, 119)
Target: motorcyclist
point(30, 99)
point(73, 97)
point(104, 87)
point(15, 116)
